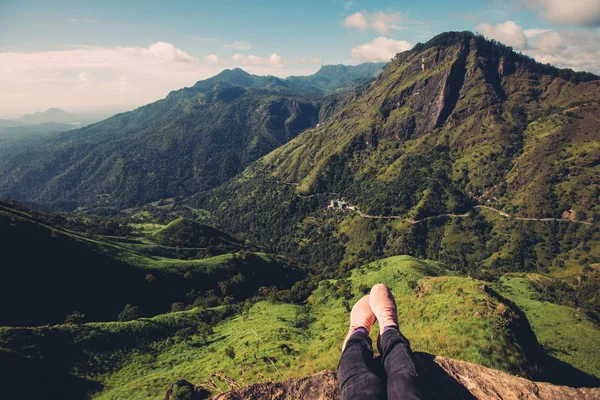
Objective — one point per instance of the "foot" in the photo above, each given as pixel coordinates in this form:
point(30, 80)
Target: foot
point(361, 316)
point(383, 305)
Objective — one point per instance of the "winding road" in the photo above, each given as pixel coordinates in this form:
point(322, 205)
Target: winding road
point(416, 221)
point(465, 215)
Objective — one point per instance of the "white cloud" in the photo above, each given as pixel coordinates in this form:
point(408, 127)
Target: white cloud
point(380, 49)
point(238, 45)
point(379, 21)
point(213, 58)
point(348, 5)
point(384, 23)
point(90, 78)
point(531, 33)
point(575, 12)
point(85, 78)
point(549, 41)
point(95, 77)
point(509, 33)
point(356, 20)
point(167, 52)
point(274, 60)
point(577, 50)
point(316, 60)
point(300, 60)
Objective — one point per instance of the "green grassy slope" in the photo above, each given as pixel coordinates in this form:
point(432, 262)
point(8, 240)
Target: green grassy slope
point(564, 332)
point(48, 272)
point(440, 314)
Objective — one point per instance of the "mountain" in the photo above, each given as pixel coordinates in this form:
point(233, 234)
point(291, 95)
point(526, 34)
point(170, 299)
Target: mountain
point(193, 140)
point(4, 123)
point(336, 78)
point(55, 115)
point(58, 116)
point(447, 129)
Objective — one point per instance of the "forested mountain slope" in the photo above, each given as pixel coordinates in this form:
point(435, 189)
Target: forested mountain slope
point(193, 140)
point(453, 123)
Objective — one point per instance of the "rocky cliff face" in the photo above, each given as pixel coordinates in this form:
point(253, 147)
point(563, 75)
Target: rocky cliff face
point(444, 378)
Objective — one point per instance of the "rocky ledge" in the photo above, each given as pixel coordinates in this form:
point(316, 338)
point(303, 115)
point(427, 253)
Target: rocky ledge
point(444, 379)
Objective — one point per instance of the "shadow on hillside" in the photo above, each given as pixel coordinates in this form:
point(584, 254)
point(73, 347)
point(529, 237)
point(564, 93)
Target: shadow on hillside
point(560, 373)
point(543, 367)
point(439, 385)
point(40, 378)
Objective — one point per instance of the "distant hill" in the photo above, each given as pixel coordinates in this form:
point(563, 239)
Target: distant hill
point(55, 115)
point(21, 131)
point(193, 140)
point(335, 78)
point(8, 123)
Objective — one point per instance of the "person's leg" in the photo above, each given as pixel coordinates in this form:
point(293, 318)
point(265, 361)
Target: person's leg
point(356, 370)
point(396, 355)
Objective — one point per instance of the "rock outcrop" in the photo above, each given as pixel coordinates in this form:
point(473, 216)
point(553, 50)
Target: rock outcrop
point(444, 379)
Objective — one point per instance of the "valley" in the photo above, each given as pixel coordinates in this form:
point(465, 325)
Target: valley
point(221, 235)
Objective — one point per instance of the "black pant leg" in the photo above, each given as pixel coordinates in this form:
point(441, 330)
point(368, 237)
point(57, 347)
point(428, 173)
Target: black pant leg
point(399, 364)
point(356, 370)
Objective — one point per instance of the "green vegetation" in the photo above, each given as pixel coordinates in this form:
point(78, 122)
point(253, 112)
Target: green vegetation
point(563, 332)
point(193, 140)
point(446, 315)
point(174, 264)
point(79, 276)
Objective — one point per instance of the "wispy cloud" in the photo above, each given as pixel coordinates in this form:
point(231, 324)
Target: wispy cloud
point(380, 49)
point(90, 76)
point(274, 60)
point(576, 49)
point(379, 21)
point(509, 33)
point(575, 12)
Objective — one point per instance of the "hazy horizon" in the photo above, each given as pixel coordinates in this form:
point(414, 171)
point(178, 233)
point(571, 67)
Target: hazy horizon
point(88, 56)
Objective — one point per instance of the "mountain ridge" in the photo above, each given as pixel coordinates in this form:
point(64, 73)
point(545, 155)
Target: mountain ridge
point(458, 122)
point(194, 139)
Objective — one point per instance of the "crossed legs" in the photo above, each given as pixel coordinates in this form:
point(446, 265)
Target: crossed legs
point(358, 370)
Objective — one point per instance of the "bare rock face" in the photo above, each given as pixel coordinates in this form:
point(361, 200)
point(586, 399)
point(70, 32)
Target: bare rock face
point(321, 386)
point(443, 378)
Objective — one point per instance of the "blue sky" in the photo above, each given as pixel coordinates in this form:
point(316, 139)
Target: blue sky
point(86, 55)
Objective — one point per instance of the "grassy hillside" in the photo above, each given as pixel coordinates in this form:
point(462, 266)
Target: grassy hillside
point(48, 272)
point(445, 315)
point(563, 332)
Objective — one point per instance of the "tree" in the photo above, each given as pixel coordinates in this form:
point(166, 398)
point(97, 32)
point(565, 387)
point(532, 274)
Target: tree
point(204, 330)
point(230, 352)
point(75, 317)
point(129, 313)
point(177, 306)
